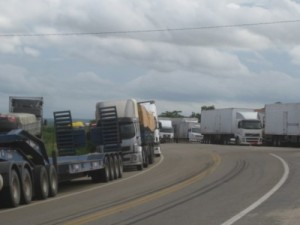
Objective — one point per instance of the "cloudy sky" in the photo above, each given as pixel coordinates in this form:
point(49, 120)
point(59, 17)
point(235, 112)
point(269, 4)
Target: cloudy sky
point(182, 53)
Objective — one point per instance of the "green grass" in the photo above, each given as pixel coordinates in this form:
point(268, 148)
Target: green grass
point(49, 140)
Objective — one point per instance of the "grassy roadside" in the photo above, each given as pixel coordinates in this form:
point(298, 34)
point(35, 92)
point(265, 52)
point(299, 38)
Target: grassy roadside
point(49, 140)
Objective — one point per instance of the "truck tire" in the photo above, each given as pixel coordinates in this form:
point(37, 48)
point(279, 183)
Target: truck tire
point(140, 167)
point(120, 166)
point(151, 155)
point(41, 182)
point(111, 168)
point(115, 167)
point(12, 194)
point(146, 158)
point(104, 174)
point(26, 183)
point(237, 141)
point(53, 181)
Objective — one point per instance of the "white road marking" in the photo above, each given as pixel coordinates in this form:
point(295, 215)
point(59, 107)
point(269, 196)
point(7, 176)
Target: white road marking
point(263, 198)
point(83, 191)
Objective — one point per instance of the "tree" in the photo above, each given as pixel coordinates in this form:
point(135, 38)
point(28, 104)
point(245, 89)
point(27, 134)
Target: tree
point(174, 114)
point(211, 107)
point(196, 115)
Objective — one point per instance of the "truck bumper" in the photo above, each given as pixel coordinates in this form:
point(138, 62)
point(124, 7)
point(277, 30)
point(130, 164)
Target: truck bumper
point(247, 141)
point(133, 159)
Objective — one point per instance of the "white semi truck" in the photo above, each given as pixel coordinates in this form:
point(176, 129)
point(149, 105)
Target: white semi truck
point(166, 130)
point(187, 129)
point(282, 124)
point(24, 113)
point(137, 127)
point(231, 125)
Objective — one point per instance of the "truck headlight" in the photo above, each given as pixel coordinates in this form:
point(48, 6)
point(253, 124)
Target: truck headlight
point(1, 182)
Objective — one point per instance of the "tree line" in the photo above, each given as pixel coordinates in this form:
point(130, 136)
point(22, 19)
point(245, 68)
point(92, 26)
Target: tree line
point(177, 113)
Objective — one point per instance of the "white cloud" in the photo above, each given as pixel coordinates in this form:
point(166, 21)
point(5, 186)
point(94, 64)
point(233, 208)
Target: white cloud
point(229, 66)
point(31, 52)
point(295, 54)
point(4, 22)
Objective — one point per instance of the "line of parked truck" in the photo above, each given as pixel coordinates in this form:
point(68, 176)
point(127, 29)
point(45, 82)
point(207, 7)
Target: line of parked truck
point(276, 124)
point(179, 130)
point(125, 134)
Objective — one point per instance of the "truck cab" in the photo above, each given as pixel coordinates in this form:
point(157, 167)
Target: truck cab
point(249, 128)
point(137, 127)
point(166, 131)
point(131, 142)
point(194, 133)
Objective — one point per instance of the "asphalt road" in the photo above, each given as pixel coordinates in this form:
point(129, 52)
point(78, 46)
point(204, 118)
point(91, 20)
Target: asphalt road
point(189, 184)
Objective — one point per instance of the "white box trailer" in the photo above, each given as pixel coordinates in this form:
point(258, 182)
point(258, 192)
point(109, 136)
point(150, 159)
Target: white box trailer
point(238, 125)
point(187, 129)
point(282, 124)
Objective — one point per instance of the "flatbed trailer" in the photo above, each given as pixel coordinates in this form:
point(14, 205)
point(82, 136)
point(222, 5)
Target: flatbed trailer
point(104, 165)
point(101, 167)
point(25, 169)
point(27, 172)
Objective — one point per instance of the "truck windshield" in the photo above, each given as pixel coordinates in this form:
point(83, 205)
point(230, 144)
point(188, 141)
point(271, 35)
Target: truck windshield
point(195, 130)
point(127, 130)
point(250, 124)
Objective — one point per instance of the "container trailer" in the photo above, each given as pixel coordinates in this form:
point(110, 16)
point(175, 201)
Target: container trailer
point(231, 125)
point(187, 129)
point(282, 124)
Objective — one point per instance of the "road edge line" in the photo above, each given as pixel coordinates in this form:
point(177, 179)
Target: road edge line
point(265, 196)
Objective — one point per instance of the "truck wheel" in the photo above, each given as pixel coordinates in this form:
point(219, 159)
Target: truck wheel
point(116, 167)
point(237, 141)
point(140, 167)
point(41, 182)
point(120, 166)
point(151, 155)
point(104, 173)
point(146, 159)
point(26, 186)
point(14, 189)
point(53, 181)
point(111, 168)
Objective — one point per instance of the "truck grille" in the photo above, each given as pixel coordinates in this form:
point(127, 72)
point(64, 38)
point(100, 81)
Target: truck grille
point(126, 149)
point(252, 135)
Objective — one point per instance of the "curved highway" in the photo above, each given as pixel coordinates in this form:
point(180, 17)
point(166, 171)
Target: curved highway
point(189, 184)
